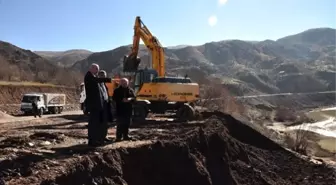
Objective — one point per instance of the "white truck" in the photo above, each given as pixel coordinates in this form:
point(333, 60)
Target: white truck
point(46, 102)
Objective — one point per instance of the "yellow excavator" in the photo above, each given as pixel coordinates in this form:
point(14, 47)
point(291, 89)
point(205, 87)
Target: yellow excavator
point(155, 92)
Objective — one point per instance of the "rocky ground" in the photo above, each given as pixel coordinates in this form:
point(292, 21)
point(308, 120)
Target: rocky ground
point(216, 150)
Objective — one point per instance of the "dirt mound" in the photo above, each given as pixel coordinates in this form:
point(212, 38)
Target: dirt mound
point(11, 95)
point(220, 151)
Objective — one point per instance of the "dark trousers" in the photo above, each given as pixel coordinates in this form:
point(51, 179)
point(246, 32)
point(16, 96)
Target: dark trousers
point(97, 128)
point(109, 112)
point(36, 112)
point(123, 124)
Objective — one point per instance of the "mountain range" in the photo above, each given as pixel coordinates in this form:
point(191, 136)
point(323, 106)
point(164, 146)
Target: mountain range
point(303, 62)
point(65, 58)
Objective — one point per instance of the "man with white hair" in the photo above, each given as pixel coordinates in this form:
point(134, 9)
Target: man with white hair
point(123, 97)
point(95, 103)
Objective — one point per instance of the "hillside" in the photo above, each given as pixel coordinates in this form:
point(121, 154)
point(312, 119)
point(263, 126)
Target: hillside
point(18, 64)
point(65, 58)
point(303, 62)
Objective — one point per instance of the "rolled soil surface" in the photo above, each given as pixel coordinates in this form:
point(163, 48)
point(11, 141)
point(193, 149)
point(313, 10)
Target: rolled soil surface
point(220, 150)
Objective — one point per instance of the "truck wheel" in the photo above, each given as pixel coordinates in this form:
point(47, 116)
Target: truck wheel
point(55, 110)
point(41, 111)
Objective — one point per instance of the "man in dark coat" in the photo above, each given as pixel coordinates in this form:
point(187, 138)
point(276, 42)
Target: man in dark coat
point(107, 108)
point(123, 97)
point(95, 103)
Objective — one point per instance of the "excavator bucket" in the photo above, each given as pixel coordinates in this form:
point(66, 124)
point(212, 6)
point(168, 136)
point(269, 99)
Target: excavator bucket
point(131, 63)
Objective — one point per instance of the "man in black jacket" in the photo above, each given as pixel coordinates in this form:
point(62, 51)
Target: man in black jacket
point(95, 103)
point(107, 108)
point(123, 97)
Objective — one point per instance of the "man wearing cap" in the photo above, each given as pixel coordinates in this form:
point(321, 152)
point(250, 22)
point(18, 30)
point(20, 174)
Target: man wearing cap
point(95, 99)
point(123, 97)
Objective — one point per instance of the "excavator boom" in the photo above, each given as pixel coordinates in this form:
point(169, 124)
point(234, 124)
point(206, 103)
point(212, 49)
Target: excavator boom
point(132, 61)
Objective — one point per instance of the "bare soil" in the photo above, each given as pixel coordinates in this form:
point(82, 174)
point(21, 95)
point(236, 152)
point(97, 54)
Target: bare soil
point(217, 150)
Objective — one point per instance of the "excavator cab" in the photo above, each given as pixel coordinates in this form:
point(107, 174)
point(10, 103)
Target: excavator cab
point(131, 63)
point(143, 76)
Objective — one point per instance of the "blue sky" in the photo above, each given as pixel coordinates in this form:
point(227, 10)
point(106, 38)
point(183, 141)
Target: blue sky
point(99, 25)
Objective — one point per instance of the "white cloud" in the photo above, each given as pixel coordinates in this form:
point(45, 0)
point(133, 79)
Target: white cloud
point(222, 2)
point(212, 21)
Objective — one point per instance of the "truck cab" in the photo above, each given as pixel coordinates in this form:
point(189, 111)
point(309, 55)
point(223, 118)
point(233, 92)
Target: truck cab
point(27, 100)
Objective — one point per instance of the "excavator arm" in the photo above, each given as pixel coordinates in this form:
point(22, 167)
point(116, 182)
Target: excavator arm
point(132, 61)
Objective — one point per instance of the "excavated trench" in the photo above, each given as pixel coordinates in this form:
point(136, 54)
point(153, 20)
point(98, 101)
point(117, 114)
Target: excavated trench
point(220, 151)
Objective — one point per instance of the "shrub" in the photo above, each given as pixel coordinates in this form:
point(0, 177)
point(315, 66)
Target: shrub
point(217, 97)
point(285, 114)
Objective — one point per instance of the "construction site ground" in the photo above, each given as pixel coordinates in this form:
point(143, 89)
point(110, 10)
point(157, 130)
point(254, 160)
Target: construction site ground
point(216, 150)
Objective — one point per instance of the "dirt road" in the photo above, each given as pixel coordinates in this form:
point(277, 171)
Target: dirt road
point(22, 118)
point(218, 150)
